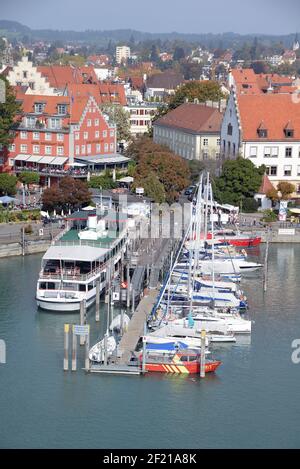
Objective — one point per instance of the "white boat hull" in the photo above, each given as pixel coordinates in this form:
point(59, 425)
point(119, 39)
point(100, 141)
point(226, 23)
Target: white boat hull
point(50, 304)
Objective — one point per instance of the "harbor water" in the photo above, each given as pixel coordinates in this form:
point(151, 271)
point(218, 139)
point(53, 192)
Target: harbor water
point(251, 402)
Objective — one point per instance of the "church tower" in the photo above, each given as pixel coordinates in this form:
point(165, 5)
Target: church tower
point(296, 44)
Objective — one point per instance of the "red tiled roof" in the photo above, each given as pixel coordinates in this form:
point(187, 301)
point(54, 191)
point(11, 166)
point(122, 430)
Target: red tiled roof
point(274, 110)
point(248, 82)
point(266, 185)
point(195, 118)
point(59, 76)
point(104, 93)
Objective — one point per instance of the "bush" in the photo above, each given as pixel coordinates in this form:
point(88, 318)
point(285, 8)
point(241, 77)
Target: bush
point(250, 205)
point(269, 216)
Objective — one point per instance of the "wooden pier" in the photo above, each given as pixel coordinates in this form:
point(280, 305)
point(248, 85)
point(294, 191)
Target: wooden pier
point(136, 326)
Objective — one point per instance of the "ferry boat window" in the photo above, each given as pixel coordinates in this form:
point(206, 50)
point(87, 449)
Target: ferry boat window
point(81, 287)
point(43, 286)
point(51, 286)
point(90, 287)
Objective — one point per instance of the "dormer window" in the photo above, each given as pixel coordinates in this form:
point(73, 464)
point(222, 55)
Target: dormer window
point(62, 109)
point(229, 129)
point(289, 130)
point(39, 108)
point(262, 131)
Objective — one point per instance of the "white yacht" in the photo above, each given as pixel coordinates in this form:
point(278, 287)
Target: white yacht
point(74, 264)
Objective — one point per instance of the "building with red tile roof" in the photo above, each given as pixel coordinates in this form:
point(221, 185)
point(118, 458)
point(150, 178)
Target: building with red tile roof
point(191, 131)
point(246, 82)
point(266, 129)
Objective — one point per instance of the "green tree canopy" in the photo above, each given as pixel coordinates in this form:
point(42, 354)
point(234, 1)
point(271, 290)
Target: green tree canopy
point(201, 90)
point(8, 111)
point(240, 179)
point(117, 115)
point(28, 177)
point(152, 186)
point(8, 184)
point(105, 181)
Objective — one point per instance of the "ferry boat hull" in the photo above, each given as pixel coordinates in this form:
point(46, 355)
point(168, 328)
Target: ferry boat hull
point(63, 306)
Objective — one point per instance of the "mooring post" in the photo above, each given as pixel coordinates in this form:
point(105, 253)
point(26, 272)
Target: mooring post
point(23, 241)
point(128, 285)
point(202, 357)
point(133, 301)
point(144, 349)
point(82, 319)
point(74, 350)
point(266, 264)
point(97, 318)
point(122, 322)
point(66, 347)
point(105, 350)
point(87, 349)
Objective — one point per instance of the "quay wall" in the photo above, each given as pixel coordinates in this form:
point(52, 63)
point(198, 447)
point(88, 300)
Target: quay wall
point(15, 249)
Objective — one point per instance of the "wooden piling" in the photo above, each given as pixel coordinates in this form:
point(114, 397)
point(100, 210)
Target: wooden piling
point(133, 301)
point(266, 265)
point(74, 350)
point(87, 349)
point(128, 285)
point(97, 317)
point(144, 349)
point(202, 357)
point(82, 319)
point(66, 347)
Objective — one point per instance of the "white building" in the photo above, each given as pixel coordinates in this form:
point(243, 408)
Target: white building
point(26, 74)
point(122, 54)
point(141, 115)
point(266, 129)
point(192, 131)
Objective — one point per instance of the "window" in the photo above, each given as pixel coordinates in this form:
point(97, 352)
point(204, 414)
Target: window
point(97, 134)
point(205, 155)
point(36, 135)
point(262, 133)
point(205, 142)
point(36, 149)
point(288, 152)
point(271, 170)
point(267, 152)
point(218, 141)
point(60, 151)
point(23, 148)
point(98, 147)
point(12, 147)
point(229, 129)
point(48, 150)
point(298, 170)
point(62, 109)
point(89, 148)
point(31, 85)
point(55, 123)
point(77, 150)
point(106, 147)
point(60, 137)
point(274, 152)
point(287, 170)
point(104, 133)
point(76, 135)
point(112, 147)
point(253, 152)
point(25, 74)
point(89, 122)
point(83, 149)
point(289, 133)
point(48, 137)
point(30, 122)
point(112, 133)
point(96, 122)
point(23, 135)
point(218, 155)
point(85, 135)
point(39, 108)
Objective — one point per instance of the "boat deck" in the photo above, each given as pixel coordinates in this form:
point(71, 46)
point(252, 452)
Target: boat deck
point(71, 236)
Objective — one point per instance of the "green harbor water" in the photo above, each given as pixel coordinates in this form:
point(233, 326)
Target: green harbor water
point(252, 400)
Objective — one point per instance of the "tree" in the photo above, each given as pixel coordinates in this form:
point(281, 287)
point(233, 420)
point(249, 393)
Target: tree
point(28, 177)
point(8, 184)
point(196, 167)
point(8, 112)
point(240, 179)
point(105, 182)
point(68, 194)
point(153, 188)
point(178, 53)
point(286, 189)
point(154, 57)
point(120, 117)
point(273, 195)
point(201, 90)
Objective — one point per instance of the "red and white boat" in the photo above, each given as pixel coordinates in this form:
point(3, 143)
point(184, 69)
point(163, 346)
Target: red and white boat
point(236, 238)
point(178, 363)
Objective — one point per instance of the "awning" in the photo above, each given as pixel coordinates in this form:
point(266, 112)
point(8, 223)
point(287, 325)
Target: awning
point(34, 158)
point(59, 161)
point(46, 159)
point(22, 157)
point(295, 210)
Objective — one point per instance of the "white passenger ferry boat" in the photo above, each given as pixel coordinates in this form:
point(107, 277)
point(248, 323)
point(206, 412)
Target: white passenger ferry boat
point(74, 264)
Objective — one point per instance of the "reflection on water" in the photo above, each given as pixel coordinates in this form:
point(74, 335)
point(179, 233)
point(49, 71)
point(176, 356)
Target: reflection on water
point(253, 397)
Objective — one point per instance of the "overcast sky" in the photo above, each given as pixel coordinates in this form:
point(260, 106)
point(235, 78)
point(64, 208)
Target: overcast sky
point(254, 16)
